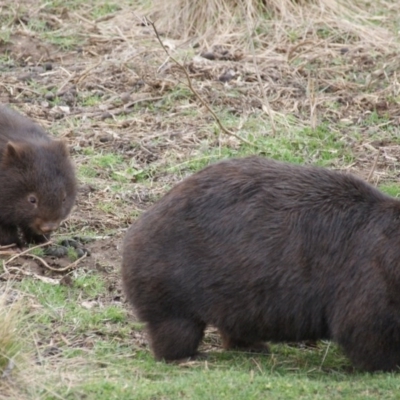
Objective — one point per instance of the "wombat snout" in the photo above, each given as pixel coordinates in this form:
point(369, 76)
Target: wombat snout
point(46, 227)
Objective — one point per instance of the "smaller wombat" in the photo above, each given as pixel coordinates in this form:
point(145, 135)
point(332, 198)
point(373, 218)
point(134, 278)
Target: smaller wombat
point(37, 180)
point(269, 251)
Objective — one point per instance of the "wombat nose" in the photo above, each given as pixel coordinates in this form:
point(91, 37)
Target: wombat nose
point(48, 227)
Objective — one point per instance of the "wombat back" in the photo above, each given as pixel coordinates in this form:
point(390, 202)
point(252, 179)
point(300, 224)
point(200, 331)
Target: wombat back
point(268, 251)
point(37, 180)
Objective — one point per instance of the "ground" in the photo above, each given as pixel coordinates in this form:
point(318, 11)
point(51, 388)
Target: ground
point(94, 74)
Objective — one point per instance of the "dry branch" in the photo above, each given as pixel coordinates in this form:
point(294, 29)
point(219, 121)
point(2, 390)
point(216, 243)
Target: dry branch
point(22, 253)
point(194, 91)
point(44, 263)
point(373, 166)
point(26, 253)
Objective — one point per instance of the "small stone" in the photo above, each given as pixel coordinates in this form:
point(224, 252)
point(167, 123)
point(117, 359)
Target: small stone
point(227, 76)
point(106, 115)
point(208, 55)
point(49, 96)
point(105, 138)
point(25, 77)
point(125, 98)
point(66, 280)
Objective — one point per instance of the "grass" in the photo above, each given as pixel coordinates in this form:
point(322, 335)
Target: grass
point(9, 343)
point(328, 96)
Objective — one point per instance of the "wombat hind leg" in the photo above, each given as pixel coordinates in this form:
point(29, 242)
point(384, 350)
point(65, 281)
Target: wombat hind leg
point(175, 339)
point(386, 360)
point(230, 343)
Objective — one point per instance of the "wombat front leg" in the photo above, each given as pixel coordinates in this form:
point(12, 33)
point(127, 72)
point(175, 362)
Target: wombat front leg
point(9, 235)
point(33, 237)
point(175, 339)
point(230, 343)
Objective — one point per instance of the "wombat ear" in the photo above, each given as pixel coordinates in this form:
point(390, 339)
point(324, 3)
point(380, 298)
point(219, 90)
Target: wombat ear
point(61, 147)
point(13, 153)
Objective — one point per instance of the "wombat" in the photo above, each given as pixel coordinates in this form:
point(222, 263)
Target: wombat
point(269, 251)
point(37, 180)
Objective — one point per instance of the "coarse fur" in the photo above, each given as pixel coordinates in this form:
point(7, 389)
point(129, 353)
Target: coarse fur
point(37, 180)
point(269, 251)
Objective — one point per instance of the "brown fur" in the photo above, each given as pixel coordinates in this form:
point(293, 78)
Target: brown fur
point(269, 251)
point(37, 180)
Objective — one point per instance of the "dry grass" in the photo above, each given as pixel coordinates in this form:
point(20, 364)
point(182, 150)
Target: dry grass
point(11, 340)
point(26, 372)
point(211, 21)
point(9, 333)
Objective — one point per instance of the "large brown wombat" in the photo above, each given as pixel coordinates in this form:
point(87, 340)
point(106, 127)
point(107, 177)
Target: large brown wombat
point(37, 180)
point(269, 251)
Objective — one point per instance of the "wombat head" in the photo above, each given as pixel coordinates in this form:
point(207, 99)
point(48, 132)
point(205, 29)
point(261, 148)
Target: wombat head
point(38, 184)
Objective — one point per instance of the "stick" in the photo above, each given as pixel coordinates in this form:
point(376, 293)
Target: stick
point(25, 252)
point(193, 90)
point(70, 266)
point(373, 167)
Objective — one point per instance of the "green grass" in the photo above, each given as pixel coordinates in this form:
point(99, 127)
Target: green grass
point(391, 189)
point(72, 254)
point(105, 9)
point(10, 345)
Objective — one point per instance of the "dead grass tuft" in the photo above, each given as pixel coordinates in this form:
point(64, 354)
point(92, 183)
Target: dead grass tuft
point(11, 347)
point(9, 335)
point(213, 21)
point(30, 369)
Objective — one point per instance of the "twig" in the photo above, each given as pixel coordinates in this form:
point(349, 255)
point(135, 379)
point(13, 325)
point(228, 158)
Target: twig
point(25, 252)
point(373, 166)
point(7, 253)
point(4, 250)
point(70, 266)
point(313, 102)
point(294, 48)
point(7, 246)
point(44, 263)
point(193, 90)
point(326, 353)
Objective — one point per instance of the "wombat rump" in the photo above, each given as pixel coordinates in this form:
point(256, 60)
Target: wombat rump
point(269, 251)
point(37, 180)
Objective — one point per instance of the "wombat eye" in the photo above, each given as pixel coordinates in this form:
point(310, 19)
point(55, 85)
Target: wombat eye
point(32, 199)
